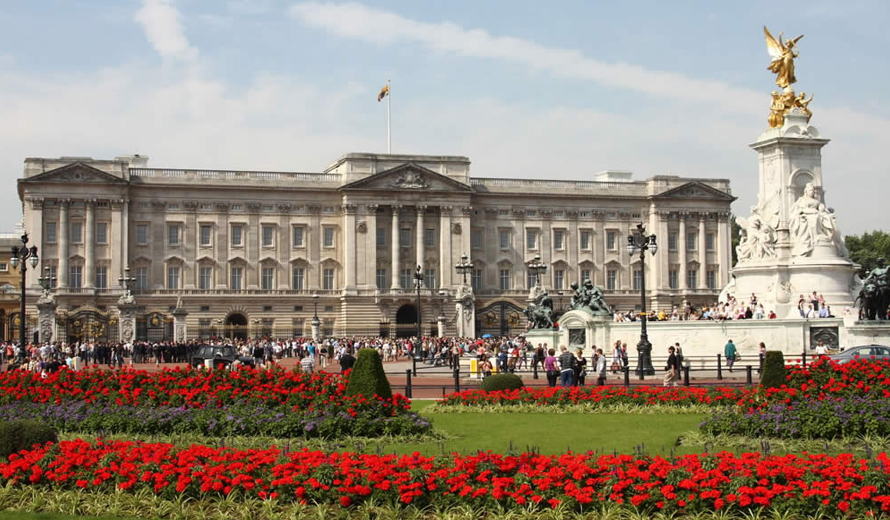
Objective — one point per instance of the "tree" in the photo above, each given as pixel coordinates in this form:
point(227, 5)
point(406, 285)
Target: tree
point(866, 249)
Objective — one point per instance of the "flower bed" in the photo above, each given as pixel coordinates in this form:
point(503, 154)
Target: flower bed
point(597, 396)
point(206, 402)
point(812, 484)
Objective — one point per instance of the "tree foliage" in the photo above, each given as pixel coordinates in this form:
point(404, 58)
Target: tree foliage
point(774, 374)
point(866, 249)
point(367, 377)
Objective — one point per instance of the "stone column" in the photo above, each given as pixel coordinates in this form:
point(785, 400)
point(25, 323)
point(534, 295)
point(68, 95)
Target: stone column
point(313, 248)
point(653, 280)
point(46, 312)
point(371, 241)
point(419, 245)
point(724, 243)
point(33, 222)
point(681, 249)
point(545, 247)
point(64, 226)
point(702, 252)
point(89, 245)
point(126, 309)
point(251, 238)
point(394, 239)
point(284, 247)
point(599, 251)
point(221, 246)
point(445, 253)
point(663, 259)
point(190, 246)
point(349, 249)
point(466, 230)
point(440, 323)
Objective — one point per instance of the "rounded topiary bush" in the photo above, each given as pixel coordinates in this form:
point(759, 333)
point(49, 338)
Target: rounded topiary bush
point(496, 382)
point(21, 435)
point(367, 377)
point(774, 375)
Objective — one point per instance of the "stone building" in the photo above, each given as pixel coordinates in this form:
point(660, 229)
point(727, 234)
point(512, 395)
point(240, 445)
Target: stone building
point(244, 252)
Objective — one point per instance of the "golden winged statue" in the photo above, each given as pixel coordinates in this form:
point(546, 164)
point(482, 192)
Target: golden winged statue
point(783, 54)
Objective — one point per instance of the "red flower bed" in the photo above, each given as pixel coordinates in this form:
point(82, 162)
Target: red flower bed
point(692, 483)
point(178, 388)
point(607, 395)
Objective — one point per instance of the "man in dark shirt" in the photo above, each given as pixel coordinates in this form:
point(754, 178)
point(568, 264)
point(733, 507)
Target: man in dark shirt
point(347, 360)
point(672, 369)
point(566, 367)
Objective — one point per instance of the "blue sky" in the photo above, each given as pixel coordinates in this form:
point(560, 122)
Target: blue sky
point(525, 89)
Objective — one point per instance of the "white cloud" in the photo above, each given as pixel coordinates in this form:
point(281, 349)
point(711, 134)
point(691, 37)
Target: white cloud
point(162, 24)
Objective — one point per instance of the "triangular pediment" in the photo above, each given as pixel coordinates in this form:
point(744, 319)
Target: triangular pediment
point(79, 173)
point(408, 177)
point(695, 190)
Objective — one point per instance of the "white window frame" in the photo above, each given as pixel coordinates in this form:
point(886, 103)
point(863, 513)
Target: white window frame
point(584, 239)
point(559, 240)
point(101, 277)
point(142, 277)
point(328, 278)
point(265, 270)
point(209, 228)
point(504, 279)
point(102, 238)
point(76, 238)
point(298, 278)
point(174, 230)
point(51, 232)
point(531, 237)
point(611, 240)
point(429, 238)
point(173, 272)
point(301, 243)
point(270, 229)
point(240, 228)
point(202, 270)
point(147, 234)
point(233, 270)
point(328, 232)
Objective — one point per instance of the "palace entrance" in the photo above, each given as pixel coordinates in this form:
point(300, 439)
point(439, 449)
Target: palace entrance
point(236, 326)
point(406, 321)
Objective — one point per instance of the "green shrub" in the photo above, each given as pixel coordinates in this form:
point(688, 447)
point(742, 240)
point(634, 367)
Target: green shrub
point(21, 435)
point(496, 382)
point(774, 375)
point(367, 377)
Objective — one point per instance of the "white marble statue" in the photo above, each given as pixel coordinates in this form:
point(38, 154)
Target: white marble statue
point(758, 238)
point(812, 223)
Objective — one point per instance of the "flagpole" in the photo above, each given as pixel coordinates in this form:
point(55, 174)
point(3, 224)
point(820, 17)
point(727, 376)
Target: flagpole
point(388, 118)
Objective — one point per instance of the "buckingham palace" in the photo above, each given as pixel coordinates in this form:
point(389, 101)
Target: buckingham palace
point(251, 253)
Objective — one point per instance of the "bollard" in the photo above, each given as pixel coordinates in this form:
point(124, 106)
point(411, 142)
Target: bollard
point(408, 383)
point(626, 376)
point(803, 357)
point(719, 368)
point(535, 369)
point(686, 375)
point(414, 364)
point(457, 380)
point(748, 379)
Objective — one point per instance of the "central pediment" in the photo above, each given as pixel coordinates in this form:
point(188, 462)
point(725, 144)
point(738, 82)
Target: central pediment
point(408, 177)
point(77, 173)
point(695, 190)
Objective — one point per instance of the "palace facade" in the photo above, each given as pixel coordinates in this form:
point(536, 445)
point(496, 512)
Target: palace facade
point(245, 252)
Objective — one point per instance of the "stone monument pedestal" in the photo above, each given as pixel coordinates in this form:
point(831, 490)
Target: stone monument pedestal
point(548, 338)
point(580, 329)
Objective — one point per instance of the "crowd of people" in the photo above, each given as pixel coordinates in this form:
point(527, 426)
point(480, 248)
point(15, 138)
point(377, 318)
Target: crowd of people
point(813, 306)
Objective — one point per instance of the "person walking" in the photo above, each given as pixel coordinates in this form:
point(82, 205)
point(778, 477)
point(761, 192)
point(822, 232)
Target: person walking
point(672, 369)
point(551, 368)
point(600, 368)
point(730, 353)
point(566, 367)
point(580, 367)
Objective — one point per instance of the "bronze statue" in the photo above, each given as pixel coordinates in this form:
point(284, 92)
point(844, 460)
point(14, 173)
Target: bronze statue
point(588, 298)
point(874, 297)
point(540, 312)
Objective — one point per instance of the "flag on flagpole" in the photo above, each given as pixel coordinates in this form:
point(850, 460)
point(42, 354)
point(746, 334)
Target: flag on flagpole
point(383, 93)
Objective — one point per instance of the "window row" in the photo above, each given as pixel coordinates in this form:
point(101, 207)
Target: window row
point(238, 235)
point(76, 232)
point(533, 238)
point(560, 281)
point(206, 278)
point(406, 237)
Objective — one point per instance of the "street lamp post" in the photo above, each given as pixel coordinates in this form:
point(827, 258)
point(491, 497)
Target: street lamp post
point(19, 256)
point(127, 281)
point(47, 281)
point(316, 323)
point(418, 284)
point(537, 268)
point(464, 267)
point(256, 328)
point(640, 242)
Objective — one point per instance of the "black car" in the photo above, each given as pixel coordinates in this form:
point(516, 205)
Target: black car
point(222, 356)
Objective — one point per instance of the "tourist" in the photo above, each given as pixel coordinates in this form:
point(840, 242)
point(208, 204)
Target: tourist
point(307, 364)
point(485, 368)
point(600, 368)
point(347, 361)
point(679, 352)
point(566, 367)
point(617, 361)
point(761, 355)
point(672, 369)
point(580, 367)
point(730, 353)
point(551, 368)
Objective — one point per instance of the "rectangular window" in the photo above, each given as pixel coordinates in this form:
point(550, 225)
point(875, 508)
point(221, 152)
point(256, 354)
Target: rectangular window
point(711, 279)
point(268, 279)
point(405, 237)
point(237, 273)
point(75, 276)
point(672, 241)
point(559, 239)
point(559, 276)
point(429, 238)
point(692, 278)
point(53, 279)
point(691, 241)
point(101, 233)
point(237, 236)
point(204, 234)
point(381, 237)
point(504, 238)
point(709, 241)
point(268, 236)
point(530, 279)
point(101, 278)
point(430, 279)
point(505, 279)
point(298, 275)
point(205, 278)
point(172, 234)
point(50, 232)
point(381, 278)
point(585, 241)
point(328, 237)
point(76, 232)
point(611, 279)
point(611, 236)
point(585, 275)
point(298, 236)
point(142, 234)
point(476, 239)
point(172, 277)
point(328, 279)
point(531, 239)
point(142, 278)
point(638, 279)
point(407, 278)
point(674, 279)
point(476, 279)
